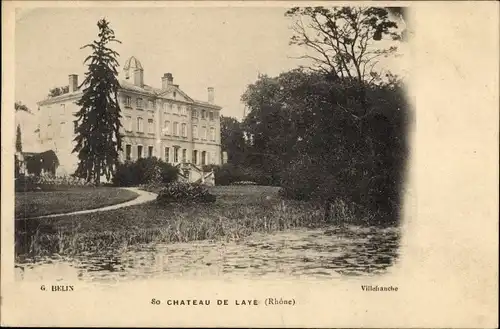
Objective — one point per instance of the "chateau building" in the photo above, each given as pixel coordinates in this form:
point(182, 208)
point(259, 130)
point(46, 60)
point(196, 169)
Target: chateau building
point(162, 122)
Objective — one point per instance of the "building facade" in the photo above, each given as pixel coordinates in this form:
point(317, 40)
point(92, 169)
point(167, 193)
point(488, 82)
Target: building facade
point(162, 122)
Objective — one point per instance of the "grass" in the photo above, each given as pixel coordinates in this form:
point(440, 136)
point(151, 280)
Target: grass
point(238, 212)
point(32, 204)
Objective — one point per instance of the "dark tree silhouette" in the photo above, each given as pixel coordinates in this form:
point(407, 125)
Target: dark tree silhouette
point(57, 91)
point(19, 143)
point(98, 121)
point(18, 106)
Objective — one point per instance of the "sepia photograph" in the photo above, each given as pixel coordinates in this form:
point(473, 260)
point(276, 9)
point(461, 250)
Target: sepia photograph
point(255, 164)
point(146, 149)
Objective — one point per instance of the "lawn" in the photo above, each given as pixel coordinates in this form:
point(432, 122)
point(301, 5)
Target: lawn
point(32, 204)
point(238, 212)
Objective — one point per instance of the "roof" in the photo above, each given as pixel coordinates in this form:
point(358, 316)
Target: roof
point(132, 63)
point(127, 85)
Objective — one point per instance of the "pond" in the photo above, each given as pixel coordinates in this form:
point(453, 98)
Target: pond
point(330, 252)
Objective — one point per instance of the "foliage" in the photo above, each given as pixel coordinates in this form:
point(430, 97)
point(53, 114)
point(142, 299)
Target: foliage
point(98, 140)
point(57, 91)
point(144, 171)
point(232, 139)
point(325, 143)
point(17, 167)
point(185, 192)
point(18, 106)
point(244, 183)
point(228, 174)
point(46, 161)
point(48, 183)
point(19, 144)
point(209, 167)
point(343, 40)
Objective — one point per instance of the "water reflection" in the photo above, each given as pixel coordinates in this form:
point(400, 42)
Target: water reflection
point(323, 253)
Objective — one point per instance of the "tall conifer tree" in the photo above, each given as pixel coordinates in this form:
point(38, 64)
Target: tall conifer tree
point(19, 144)
point(98, 139)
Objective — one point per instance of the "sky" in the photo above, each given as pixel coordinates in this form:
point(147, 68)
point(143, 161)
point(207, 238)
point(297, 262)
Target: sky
point(225, 48)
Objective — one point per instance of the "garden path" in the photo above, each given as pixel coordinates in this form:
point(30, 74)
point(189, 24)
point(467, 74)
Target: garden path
point(143, 197)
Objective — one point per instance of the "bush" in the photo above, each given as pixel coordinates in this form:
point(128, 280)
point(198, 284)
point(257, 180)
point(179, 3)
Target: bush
point(300, 179)
point(185, 192)
point(48, 183)
point(228, 174)
point(144, 171)
point(244, 183)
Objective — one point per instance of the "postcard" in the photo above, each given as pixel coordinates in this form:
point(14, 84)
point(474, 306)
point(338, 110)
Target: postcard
point(250, 164)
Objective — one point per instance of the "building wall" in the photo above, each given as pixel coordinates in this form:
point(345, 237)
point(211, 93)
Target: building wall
point(56, 130)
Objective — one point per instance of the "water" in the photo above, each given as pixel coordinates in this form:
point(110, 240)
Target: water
point(320, 253)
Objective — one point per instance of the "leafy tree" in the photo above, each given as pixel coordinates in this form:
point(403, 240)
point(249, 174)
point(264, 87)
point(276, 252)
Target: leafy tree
point(343, 40)
point(20, 107)
point(98, 121)
point(57, 91)
point(19, 144)
point(309, 128)
point(232, 139)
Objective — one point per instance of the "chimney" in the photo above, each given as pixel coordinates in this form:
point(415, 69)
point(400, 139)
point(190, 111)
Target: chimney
point(210, 95)
point(73, 83)
point(139, 77)
point(167, 80)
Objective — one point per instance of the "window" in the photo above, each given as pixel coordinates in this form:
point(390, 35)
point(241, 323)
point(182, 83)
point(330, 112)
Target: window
point(139, 151)
point(195, 156)
point(62, 127)
point(213, 158)
point(194, 113)
point(183, 110)
point(176, 154)
point(184, 130)
point(167, 155)
point(128, 152)
point(139, 103)
point(184, 155)
point(151, 105)
point(140, 125)
point(203, 158)
point(151, 127)
point(150, 151)
point(203, 114)
point(63, 107)
point(175, 94)
point(165, 107)
point(179, 109)
point(212, 134)
point(211, 115)
point(204, 133)
point(176, 129)
point(166, 128)
point(195, 132)
point(128, 123)
point(174, 108)
point(128, 101)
